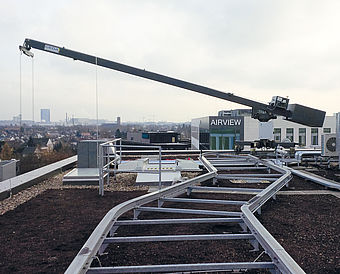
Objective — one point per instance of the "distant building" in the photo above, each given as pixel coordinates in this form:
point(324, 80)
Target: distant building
point(235, 112)
point(221, 132)
point(38, 146)
point(153, 137)
point(112, 126)
point(45, 115)
point(165, 139)
point(216, 132)
point(16, 119)
point(86, 121)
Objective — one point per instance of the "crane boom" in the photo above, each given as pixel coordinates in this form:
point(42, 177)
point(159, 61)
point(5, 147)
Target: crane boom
point(263, 112)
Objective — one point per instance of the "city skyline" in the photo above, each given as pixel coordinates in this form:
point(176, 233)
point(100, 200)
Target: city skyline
point(253, 50)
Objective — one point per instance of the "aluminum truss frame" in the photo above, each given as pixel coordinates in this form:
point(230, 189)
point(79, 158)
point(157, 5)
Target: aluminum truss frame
point(81, 263)
point(281, 260)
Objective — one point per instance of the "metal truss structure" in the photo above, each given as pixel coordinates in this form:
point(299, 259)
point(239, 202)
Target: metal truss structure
point(252, 230)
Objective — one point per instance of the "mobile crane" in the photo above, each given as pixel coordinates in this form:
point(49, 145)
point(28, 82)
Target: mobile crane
point(279, 106)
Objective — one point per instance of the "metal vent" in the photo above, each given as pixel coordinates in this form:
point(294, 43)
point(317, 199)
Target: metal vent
point(328, 145)
point(331, 144)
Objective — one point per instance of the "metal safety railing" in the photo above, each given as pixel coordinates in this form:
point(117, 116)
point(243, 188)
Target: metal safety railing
point(281, 261)
point(107, 156)
point(110, 153)
point(82, 261)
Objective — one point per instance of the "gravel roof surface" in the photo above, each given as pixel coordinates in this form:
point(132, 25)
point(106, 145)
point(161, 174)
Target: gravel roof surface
point(42, 228)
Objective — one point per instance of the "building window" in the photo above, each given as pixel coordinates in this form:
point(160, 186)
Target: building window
point(277, 134)
point(315, 136)
point(226, 143)
point(290, 134)
point(145, 135)
point(302, 137)
point(326, 130)
point(212, 142)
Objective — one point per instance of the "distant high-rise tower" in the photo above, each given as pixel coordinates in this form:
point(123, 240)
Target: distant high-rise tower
point(45, 115)
point(118, 121)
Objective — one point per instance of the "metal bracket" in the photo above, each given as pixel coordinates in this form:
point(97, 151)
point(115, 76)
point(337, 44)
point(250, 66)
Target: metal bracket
point(160, 202)
point(214, 181)
point(102, 249)
point(244, 227)
point(113, 230)
point(255, 245)
point(136, 213)
point(259, 211)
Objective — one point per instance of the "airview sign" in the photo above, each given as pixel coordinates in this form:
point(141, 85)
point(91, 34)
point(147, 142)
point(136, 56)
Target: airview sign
point(223, 122)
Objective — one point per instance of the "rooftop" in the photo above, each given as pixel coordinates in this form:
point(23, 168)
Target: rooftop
point(64, 217)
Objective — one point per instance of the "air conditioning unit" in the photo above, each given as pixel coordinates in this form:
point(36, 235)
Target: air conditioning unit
point(328, 145)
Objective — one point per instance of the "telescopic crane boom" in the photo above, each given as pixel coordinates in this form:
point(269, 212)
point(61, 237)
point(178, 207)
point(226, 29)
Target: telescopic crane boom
point(263, 112)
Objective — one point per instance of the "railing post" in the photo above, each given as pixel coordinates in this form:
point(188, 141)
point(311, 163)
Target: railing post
point(120, 150)
point(115, 161)
point(100, 166)
point(160, 169)
point(107, 151)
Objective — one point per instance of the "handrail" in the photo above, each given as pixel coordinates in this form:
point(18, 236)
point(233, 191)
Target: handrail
point(315, 178)
point(207, 164)
point(101, 161)
point(284, 262)
point(83, 259)
point(102, 166)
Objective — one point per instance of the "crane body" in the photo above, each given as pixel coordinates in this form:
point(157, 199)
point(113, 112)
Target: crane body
point(263, 112)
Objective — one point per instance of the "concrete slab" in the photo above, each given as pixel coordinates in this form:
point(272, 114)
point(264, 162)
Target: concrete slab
point(146, 164)
point(82, 176)
point(187, 165)
point(168, 178)
point(133, 166)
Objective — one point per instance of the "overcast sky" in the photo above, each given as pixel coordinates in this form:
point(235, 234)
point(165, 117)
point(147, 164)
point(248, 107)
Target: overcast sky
point(255, 49)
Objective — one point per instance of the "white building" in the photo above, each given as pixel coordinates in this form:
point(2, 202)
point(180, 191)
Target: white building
point(208, 134)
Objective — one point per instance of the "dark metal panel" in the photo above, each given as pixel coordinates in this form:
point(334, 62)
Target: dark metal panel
point(307, 116)
point(83, 155)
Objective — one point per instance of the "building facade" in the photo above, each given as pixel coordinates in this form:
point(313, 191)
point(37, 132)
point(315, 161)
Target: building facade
point(153, 137)
point(221, 132)
point(216, 132)
point(45, 115)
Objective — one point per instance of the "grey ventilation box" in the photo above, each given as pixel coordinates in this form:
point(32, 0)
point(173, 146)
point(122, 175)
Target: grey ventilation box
point(87, 153)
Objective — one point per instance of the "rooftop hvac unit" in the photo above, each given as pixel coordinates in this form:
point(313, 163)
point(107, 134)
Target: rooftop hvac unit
point(328, 145)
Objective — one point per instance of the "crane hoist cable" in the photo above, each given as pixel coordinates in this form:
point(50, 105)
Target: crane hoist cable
point(30, 54)
point(20, 88)
point(97, 97)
